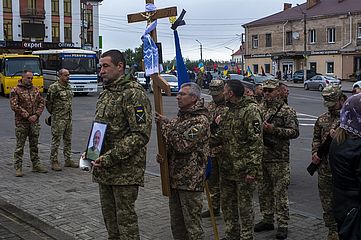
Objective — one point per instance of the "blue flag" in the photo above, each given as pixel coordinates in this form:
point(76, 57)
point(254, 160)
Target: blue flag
point(181, 67)
point(208, 168)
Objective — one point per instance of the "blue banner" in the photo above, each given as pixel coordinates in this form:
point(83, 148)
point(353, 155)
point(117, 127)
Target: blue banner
point(181, 67)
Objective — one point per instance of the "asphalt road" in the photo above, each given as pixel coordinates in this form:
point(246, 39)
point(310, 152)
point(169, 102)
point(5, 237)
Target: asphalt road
point(308, 104)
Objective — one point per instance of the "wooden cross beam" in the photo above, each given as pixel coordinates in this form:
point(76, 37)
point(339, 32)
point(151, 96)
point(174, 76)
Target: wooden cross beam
point(159, 83)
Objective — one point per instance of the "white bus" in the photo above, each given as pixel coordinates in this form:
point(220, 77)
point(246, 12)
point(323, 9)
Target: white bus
point(82, 66)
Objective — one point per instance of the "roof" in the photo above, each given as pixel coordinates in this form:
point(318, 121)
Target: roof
point(324, 8)
point(238, 52)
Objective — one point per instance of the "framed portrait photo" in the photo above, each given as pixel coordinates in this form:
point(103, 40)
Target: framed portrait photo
point(95, 141)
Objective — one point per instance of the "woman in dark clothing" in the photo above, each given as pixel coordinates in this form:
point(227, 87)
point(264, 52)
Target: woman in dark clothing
point(345, 160)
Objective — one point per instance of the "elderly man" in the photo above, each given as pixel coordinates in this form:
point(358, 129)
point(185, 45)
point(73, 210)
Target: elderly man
point(279, 127)
point(59, 105)
point(28, 105)
point(186, 138)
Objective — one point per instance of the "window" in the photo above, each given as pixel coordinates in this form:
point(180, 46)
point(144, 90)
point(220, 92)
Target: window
point(255, 68)
point(67, 33)
point(330, 67)
point(289, 38)
point(55, 32)
point(7, 5)
point(359, 30)
point(254, 41)
point(267, 68)
point(89, 38)
point(313, 66)
point(268, 40)
point(32, 4)
point(312, 36)
point(8, 30)
point(89, 17)
point(55, 7)
point(331, 35)
point(67, 8)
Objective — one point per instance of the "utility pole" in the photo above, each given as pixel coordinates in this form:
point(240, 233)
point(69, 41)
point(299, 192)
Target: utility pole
point(200, 48)
point(242, 53)
point(304, 43)
point(82, 28)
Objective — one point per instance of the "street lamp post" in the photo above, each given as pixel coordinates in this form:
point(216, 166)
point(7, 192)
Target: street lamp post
point(200, 48)
point(230, 49)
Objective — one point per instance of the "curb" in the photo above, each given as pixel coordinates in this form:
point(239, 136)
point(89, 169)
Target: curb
point(32, 221)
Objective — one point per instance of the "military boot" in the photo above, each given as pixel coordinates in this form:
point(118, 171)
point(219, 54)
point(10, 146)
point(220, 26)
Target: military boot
point(71, 163)
point(281, 233)
point(263, 226)
point(39, 168)
point(332, 235)
point(19, 172)
point(55, 166)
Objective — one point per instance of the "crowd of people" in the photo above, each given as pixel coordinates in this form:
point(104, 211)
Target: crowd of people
point(244, 132)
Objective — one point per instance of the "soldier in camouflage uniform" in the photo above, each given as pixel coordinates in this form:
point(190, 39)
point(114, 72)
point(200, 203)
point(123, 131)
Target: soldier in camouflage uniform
point(28, 104)
point(215, 108)
point(187, 141)
point(240, 132)
point(273, 187)
point(119, 171)
point(58, 103)
point(330, 120)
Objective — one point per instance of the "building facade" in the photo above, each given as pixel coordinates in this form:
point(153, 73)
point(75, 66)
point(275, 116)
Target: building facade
point(323, 34)
point(27, 25)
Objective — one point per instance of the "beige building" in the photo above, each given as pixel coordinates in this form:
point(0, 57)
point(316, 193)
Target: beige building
point(330, 38)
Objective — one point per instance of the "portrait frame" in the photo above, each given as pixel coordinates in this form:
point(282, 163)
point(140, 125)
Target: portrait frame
point(95, 143)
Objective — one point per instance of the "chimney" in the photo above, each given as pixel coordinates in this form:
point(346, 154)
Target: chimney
point(312, 3)
point(287, 6)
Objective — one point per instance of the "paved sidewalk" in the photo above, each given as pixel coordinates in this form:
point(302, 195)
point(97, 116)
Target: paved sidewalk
point(69, 201)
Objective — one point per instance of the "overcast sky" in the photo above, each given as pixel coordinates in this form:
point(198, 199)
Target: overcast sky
point(216, 24)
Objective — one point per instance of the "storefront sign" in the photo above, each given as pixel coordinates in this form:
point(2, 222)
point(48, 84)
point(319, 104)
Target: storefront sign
point(35, 45)
point(325, 52)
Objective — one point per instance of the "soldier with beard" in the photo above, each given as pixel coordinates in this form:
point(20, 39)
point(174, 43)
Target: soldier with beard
point(325, 124)
point(279, 127)
point(215, 108)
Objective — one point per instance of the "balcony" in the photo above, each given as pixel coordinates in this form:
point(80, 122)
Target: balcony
point(32, 13)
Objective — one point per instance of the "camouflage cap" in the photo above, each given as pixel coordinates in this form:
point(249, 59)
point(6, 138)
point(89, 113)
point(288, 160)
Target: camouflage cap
point(331, 94)
point(271, 83)
point(216, 87)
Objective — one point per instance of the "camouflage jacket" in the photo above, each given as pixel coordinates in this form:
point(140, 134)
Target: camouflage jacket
point(215, 109)
point(25, 102)
point(240, 131)
point(125, 108)
point(285, 128)
point(323, 125)
point(59, 101)
point(187, 141)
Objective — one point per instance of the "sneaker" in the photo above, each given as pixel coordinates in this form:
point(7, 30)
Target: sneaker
point(19, 172)
point(71, 163)
point(281, 233)
point(39, 168)
point(55, 166)
point(262, 226)
point(207, 214)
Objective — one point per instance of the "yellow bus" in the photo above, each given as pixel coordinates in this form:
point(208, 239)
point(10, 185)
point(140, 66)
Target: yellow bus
point(11, 68)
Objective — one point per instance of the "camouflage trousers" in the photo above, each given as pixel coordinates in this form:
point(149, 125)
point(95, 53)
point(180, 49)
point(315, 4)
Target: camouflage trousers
point(60, 129)
point(118, 208)
point(186, 214)
point(213, 184)
point(236, 197)
point(325, 193)
point(273, 192)
point(22, 132)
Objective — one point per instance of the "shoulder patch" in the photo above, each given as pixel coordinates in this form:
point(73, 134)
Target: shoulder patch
point(139, 114)
point(256, 127)
point(192, 133)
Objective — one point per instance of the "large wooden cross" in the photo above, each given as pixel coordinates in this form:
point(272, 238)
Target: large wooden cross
point(159, 83)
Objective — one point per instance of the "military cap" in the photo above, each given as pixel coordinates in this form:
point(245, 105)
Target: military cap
point(216, 87)
point(331, 94)
point(271, 83)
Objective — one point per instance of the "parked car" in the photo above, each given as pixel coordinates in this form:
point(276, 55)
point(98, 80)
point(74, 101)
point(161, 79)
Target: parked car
point(258, 79)
point(172, 80)
point(319, 82)
point(235, 76)
point(140, 76)
point(298, 75)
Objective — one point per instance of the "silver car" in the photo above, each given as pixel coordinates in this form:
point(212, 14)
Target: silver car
point(319, 82)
